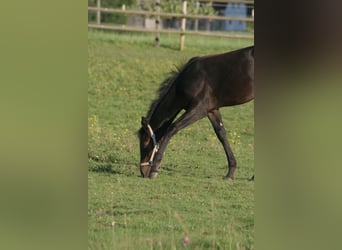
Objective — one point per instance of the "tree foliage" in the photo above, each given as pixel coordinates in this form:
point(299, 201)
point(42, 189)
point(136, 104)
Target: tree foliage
point(112, 3)
point(169, 6)
point(111, 17)
point(175, 6)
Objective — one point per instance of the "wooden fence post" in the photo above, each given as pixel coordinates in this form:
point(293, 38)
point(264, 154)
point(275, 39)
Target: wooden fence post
point(157, 37)
point(98, 12)
point(196, 20)
point(183, 26)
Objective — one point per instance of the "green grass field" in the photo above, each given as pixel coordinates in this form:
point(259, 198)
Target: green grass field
point(189, 197)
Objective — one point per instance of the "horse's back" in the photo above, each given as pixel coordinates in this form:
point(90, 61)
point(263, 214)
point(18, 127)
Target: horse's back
point(229, 76)
point(218, 80)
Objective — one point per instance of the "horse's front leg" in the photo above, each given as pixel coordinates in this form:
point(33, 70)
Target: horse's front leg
point(184, 120)
point(157, 160)
point(162, 144)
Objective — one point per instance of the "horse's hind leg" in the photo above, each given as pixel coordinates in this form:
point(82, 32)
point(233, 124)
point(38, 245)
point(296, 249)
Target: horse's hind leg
point(216, 120)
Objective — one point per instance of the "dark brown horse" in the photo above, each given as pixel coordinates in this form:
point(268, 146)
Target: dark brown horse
point(200, 88)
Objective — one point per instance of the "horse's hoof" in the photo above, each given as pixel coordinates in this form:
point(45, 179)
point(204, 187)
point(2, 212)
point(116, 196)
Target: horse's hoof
point(153, 175)
point(230, 179)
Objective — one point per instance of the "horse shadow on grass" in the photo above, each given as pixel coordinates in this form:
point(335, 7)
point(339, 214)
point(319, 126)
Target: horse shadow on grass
point(173, 171)
point(110, 167)
point(121, 167)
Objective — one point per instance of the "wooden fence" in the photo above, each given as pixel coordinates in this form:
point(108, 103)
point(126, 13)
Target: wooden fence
point(157, 15)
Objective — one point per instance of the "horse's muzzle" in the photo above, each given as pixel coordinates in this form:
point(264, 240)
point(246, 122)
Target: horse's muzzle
point(145, 170)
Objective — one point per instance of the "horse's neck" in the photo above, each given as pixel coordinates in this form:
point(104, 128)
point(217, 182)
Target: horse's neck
point(155, 123)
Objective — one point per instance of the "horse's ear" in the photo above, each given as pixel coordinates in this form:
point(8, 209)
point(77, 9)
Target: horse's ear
point(144, 122)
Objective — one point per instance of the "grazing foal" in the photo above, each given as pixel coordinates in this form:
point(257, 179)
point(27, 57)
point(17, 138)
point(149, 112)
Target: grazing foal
point(200, 87)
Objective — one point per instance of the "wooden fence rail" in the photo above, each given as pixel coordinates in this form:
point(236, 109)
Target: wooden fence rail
point(157, 14)
point(163, 14)
point(169, 31)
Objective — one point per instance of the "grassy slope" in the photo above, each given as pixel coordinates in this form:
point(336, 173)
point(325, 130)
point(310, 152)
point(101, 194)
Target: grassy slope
point(124, 73)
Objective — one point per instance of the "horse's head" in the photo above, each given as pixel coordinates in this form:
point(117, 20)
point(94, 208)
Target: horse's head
point(148, 147)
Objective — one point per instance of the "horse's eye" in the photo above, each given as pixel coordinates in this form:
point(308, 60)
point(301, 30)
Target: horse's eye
point(146, 142)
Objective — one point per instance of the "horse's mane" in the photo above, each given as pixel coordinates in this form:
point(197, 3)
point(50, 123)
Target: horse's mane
point(166, 86)
point(162, 91)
